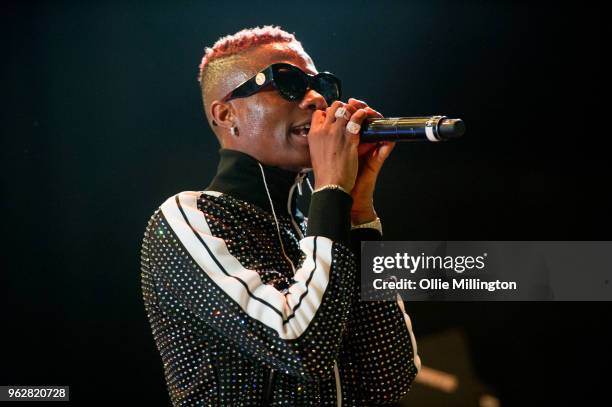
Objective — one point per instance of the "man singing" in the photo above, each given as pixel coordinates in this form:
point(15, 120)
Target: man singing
point(250, 302)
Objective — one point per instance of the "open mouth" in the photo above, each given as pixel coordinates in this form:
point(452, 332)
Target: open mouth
point(301, 130)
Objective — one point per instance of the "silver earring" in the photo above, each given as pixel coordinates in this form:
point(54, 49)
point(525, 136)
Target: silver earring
point(234, 131)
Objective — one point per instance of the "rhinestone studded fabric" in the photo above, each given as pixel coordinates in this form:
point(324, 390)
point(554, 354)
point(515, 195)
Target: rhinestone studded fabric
point(217, 351)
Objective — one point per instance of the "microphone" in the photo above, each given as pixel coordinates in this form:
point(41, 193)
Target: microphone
point(430, 128)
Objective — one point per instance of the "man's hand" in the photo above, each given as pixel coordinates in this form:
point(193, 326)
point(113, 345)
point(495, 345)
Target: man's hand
point(338, 158)
point(333, 151)
point(371, 159)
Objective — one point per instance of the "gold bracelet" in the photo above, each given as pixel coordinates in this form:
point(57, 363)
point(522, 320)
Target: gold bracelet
point(331, 186)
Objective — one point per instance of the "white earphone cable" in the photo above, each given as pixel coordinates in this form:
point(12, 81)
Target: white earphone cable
point(275, 219)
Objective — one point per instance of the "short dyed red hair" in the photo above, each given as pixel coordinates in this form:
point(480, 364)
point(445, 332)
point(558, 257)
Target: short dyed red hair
point(244, 40)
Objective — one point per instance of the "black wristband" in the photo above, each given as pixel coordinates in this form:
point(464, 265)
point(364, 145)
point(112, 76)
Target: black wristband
point(329, 215)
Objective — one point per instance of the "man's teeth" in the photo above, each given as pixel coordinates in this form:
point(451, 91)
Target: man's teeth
point(302, 130)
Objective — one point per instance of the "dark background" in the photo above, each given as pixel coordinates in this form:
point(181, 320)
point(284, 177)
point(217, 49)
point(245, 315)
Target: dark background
point(102, 121)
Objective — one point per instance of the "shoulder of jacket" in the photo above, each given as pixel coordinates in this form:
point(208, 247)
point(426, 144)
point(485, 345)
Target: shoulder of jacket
point(179, 199)
point(174, 205)
point(183, 203)
point(187, 200)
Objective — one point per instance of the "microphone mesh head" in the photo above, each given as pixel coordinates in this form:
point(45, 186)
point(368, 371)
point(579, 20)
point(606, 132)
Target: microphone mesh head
point(451, 128)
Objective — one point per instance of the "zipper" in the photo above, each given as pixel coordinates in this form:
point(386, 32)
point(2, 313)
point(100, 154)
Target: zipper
point(268, 389)
point(297, 183)
point(338, 384)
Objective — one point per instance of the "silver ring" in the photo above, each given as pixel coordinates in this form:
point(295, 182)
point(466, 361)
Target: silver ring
point(353, 127)
point(340, 113)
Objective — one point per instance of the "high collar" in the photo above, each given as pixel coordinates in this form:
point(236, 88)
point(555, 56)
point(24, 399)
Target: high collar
point(240, 175)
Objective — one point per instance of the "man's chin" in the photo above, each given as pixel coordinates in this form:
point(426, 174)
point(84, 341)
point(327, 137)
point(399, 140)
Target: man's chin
point(299, 164)
point(306, 164)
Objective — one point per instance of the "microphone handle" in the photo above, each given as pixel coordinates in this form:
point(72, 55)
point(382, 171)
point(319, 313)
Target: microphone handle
point(429, 128)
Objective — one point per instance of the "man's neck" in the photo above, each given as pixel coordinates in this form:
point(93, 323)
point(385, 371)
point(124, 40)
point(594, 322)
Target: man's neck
point(240, 175)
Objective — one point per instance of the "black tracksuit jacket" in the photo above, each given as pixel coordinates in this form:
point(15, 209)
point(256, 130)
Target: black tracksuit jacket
point(251, 304)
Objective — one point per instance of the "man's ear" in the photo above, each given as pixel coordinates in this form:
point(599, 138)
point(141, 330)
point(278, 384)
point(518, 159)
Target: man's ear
point(222, 114)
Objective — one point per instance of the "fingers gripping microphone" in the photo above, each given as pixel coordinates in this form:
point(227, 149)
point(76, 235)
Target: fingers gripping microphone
point(432, 128)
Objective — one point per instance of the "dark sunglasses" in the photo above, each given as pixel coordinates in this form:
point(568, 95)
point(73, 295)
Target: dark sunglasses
point(291, 82)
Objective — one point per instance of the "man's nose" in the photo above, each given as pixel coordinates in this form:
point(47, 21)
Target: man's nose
point(313, 100)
